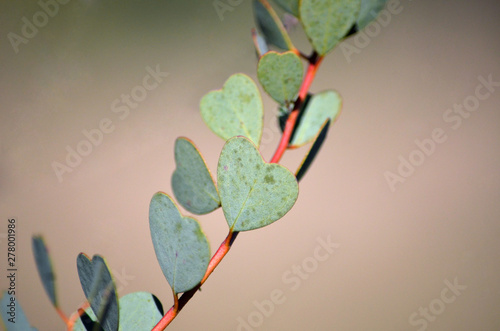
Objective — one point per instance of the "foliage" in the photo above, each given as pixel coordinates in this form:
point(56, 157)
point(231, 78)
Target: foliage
point(253, 193)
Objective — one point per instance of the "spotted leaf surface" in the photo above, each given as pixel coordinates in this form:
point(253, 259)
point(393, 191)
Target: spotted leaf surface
point(181, 247)
point(281, 75)
point(326, 22)
point(235, 110)
point(253, 193)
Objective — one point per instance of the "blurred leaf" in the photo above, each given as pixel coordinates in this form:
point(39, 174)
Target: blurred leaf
point(326, 22)
point(44, 266)
point(281, 75)
point(322, 106)
point(369, 11)
point(192, 182)
point(311, 155)
point(235, 110)
point(270, 25)
point(259, 43)
point(291, 6)
point(253, 193)
point(13, 316)
point(100, 290)
point(181, 247)
point(139, 311)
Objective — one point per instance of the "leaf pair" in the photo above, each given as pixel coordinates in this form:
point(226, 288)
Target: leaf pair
point(325, 22)
point(252, 193)
point(135, 309)
point(138, 311)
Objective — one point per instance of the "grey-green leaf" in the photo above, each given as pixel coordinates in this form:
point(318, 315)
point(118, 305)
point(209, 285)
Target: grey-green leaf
point(12, 313)
point(192, 182)
point(99, 289)
point(270, 25)
point(313, 151)
point(326, 22)
point(44, 267)
point(253, 193)
point(281, 75)
point(369, 11)
point(260, 43)
point(322, 106)
point(235, 110)
point(138, 312)
point(291, 6)
point(181, 247)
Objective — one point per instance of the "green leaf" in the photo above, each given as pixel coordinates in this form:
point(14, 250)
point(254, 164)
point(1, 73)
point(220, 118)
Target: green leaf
point(181, 247)
point(281, 75)
point(270, 25)
point(139, 311)
point(291, 6)
point(368, 12)
point(326, 22)
point(311, 155)
point(322, 106)
point(13, 316)
point(253, 193)
point(235, 110)
point(192, 182)
point(44, 266)
point(259, 43)
point(100, 290)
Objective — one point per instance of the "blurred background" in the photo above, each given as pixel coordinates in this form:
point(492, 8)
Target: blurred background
point(415, 235)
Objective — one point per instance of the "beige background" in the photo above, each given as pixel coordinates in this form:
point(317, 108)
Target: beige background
point(397, 249)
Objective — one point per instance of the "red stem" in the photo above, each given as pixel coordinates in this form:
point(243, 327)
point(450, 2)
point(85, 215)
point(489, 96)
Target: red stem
point(314, 63)
point(186, 296)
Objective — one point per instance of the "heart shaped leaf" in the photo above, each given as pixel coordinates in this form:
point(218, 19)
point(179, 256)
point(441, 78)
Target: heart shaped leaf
point(235, 110)
point(45, 269)
point(322, 106)
point(13, 316)
point(138, 311)
point(270, 25)
point(192, 183)
point(281, 75)
point(253, 193)
point(368, 12)
point(326, 22)
point(181, 247)
point(291, 6)
point(99, 289)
